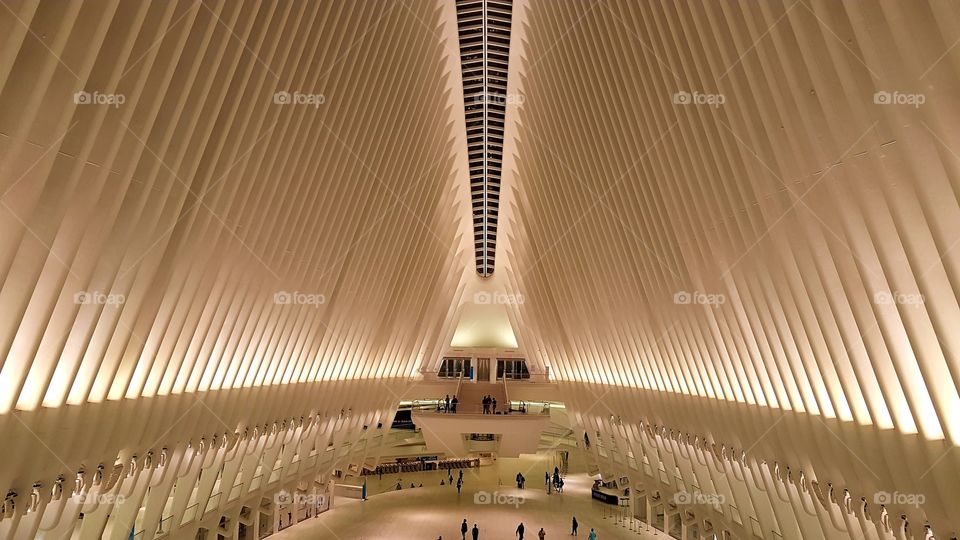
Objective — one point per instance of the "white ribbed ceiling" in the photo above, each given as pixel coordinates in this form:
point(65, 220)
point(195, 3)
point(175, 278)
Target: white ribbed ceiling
point(743, 204)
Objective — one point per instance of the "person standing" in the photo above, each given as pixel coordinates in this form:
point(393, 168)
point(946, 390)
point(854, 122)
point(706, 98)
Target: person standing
point(494, 402)
point(463, 529)
point(575, 526)
point(476, 532)
point(520, 531)
point(454, 404)
point(593, 535)
point(542, 534)
point(446, 407)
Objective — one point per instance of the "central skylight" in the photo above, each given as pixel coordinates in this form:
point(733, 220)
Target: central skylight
point(484, 30)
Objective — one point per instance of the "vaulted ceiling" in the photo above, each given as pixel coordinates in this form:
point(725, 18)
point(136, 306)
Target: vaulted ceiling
point(738, 203)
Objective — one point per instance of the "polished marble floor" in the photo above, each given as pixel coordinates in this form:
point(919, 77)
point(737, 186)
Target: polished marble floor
point(489, 498)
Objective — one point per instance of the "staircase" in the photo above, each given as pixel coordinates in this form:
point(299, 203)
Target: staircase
point(471, 395)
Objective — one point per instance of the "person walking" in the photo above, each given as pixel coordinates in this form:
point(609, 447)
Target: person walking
point(518, 480)
point(463, 529)
point(520, 531)
point(576, 525)
point(593, 535)
point(475, 532)
point(541, 534)
point(459, 485)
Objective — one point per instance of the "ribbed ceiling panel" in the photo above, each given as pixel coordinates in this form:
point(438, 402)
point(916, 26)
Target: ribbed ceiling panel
point(752, 204)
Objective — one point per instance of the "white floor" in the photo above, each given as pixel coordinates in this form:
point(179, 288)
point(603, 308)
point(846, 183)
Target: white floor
point(433, 511)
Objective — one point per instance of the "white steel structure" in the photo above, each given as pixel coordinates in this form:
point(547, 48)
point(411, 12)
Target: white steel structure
point(235, 234)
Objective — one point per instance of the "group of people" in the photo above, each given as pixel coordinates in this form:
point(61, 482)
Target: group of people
point(448, 405)
point(489, 405)
point(541, 534)
point(556, 483)
point(450, 478)
point(399, 485)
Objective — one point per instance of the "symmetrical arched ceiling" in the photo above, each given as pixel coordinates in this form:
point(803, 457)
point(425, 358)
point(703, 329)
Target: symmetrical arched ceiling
point(747, 209)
